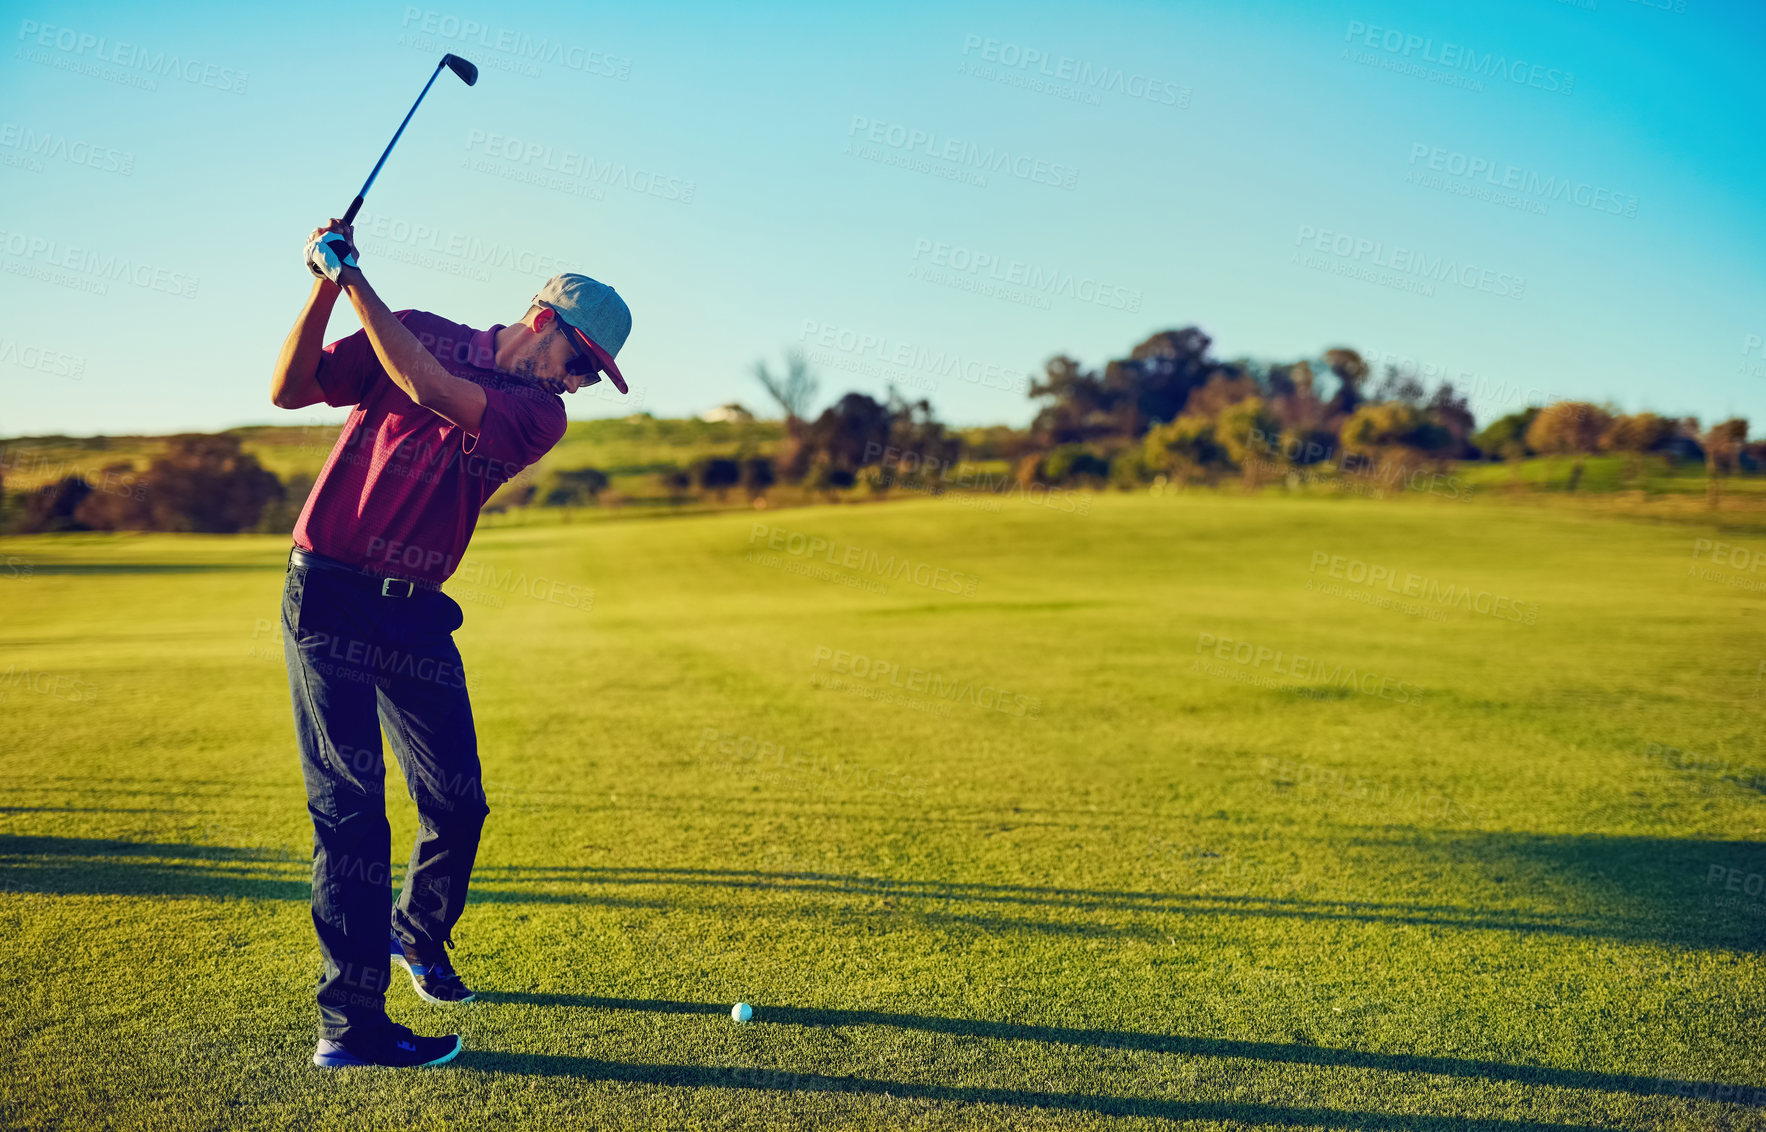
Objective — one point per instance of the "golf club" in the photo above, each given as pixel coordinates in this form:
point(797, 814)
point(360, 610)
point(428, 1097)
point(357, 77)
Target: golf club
point(468, 75)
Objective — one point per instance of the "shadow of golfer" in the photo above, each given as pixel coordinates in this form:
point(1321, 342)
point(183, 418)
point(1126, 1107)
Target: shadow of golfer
point(1288, 1053)
point(769, 1080)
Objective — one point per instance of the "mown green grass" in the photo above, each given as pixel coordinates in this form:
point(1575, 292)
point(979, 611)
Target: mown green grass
point(1170, 895)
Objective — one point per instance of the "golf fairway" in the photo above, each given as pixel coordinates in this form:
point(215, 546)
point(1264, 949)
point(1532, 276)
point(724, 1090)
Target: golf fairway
point(1014, 840)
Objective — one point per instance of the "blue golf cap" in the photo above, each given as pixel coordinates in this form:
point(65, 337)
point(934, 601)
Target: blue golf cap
point(595, 312)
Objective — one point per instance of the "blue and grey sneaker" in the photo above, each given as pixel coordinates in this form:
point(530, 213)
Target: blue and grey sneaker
point(394, 1047)
point(436, 981)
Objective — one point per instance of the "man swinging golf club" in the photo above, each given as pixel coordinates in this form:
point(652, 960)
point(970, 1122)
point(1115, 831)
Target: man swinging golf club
point(443, 415)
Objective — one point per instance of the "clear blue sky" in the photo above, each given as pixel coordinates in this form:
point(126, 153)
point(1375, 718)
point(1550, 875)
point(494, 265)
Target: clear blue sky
point(1224, 172)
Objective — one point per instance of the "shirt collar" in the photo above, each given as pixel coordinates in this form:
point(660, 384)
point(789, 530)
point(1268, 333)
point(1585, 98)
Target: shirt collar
point(484, 348)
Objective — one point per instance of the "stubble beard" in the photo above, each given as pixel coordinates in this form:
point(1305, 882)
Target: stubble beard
point(525, 372)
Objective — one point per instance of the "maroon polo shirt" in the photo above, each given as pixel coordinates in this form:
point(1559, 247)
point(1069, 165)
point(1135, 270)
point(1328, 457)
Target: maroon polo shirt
point(402, 488)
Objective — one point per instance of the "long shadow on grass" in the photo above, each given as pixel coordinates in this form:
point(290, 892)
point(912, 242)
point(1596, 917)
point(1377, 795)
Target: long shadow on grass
point(777, 1081)
point(1634, 889)
point(1682, 892)
point(150, 567)
point(1288, 1053)
point(88, 866)
point(76, 810)
point(1084, 899)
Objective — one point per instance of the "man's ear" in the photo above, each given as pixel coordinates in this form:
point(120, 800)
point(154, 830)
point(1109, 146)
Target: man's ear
point(542, 319)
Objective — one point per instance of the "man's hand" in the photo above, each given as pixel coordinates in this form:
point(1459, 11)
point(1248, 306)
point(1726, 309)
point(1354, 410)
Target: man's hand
point(331, 253)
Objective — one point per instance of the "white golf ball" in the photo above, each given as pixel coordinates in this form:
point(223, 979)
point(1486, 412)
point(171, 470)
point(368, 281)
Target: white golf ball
point(741, 1012)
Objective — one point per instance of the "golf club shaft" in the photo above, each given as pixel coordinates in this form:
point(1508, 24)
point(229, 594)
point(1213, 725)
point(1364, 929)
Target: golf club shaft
point(356, 205)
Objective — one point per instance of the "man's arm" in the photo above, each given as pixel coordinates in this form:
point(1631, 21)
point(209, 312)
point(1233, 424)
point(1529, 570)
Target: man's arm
point(294, 384)
point(410, 365)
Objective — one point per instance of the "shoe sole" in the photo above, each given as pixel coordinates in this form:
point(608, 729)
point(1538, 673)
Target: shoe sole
point(357, 1063)
point(425, 995)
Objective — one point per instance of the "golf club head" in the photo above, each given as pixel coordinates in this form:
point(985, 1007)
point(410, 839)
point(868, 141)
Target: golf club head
point(467, 72)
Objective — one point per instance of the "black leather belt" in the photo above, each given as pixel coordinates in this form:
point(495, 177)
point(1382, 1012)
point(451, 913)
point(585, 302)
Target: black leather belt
point(389, 586)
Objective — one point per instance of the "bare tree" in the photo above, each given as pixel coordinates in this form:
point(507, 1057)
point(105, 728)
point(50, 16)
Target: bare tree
point(794, 389)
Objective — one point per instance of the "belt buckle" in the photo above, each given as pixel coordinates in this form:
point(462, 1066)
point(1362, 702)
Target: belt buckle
point(386, 587)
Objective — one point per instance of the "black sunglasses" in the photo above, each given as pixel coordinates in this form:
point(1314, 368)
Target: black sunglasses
point(585, 364)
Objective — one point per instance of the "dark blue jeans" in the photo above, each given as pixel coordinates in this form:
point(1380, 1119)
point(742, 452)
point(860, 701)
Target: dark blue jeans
point(361, 661)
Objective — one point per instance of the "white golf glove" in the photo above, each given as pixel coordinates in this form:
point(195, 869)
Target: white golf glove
point(329, 255)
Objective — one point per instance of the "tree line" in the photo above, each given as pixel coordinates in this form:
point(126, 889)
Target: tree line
point(1171, 409)
point(1168, 412)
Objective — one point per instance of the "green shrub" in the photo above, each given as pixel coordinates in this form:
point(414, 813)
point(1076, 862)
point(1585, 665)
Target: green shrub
point(571, 487)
